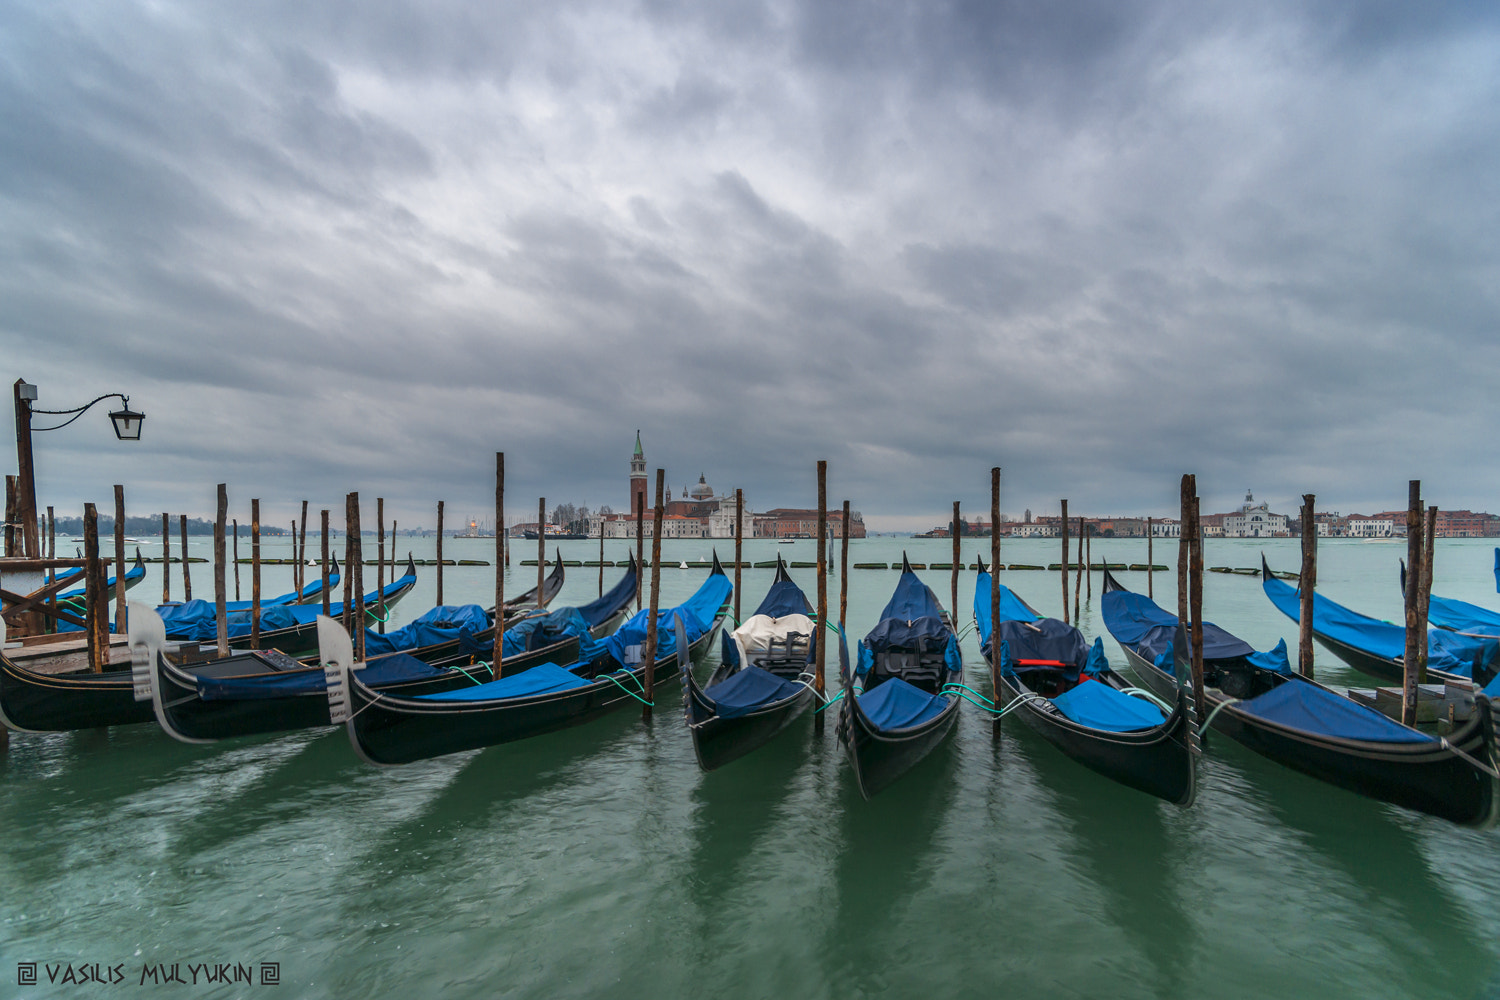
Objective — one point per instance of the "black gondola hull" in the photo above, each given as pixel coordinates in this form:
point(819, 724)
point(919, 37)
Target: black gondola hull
point(1158, 761)
point(717, 740)
point(42, 703)
point(1425, 776)
point(882, 756)
point(391, 731)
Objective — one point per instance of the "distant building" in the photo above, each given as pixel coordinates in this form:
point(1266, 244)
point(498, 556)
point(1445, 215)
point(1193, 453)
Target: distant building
point(1254, 520)
point(1372, 526)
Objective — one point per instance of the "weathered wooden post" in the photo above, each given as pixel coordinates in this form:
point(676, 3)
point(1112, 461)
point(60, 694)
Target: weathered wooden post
point(119, 558)
point(236, 548)
point(380, 559)
point(11, 503)
point(1078, 579)
point(995, 576)
point(302, 549)
point(541, 551)
point(1150, 558)
point(499, 654)
point(51, 625)
point(1416, 631)
point(601, 557)
point(357, 572)
point(844, 570)
point(820, 648)
point(439, 554)
point(221, 579)
point(98, 643)
point(640, 551)
point(1195, 604)
point(651, 624)
point(255, 573)
point(187, 576)
point(348, 602)
point(1088, 558)
point(51, 534)
point(957, 562)
point(1307, 583)
point(324, 537)
point(1424, 596)
point(1186, 499)
point(739, 537)
point(166, 559)
point(1064, 522)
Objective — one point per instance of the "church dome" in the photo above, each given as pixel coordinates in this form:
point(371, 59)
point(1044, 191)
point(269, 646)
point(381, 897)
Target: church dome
point(702, 491)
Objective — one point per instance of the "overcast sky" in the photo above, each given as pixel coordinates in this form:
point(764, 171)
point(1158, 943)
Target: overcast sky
point(341, 245)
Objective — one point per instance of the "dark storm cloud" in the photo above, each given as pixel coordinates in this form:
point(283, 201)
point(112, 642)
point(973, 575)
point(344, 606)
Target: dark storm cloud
point(340, 246)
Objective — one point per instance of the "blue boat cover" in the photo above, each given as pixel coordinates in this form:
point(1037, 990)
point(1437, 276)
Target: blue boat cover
point(1044, 639)
point(1130, 616)
point(544, 678)
point(1099, 706)
point(784, 598)
point(606, 605)
point(743, 691)
point(194, 620)
point(698, 615)
point(131, 576)
point(386, 670)
point(466, 623)
point(1313, 709)
point(896, 633)
point(1012, 608)
point(895, 704)
point(913, 599)
point(1461, 616)
point(1449, 652)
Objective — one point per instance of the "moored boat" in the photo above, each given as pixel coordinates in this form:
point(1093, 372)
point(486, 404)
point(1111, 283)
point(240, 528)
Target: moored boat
point(1255, 699)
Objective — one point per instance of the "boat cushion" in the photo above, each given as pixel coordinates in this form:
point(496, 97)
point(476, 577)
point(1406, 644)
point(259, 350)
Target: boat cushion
point(743, 691)
point(1099, 706)
point(544, 678)
point(386, 670)
point(895, 704)
point(1313, 709)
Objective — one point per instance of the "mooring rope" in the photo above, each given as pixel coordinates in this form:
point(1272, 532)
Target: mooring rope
point(1150, 696)
point(611, 677)
point(1479, 764)
point(1214, 714)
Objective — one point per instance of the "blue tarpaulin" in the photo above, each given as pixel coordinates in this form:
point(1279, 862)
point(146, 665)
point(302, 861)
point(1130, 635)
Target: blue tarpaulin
point(466, 623)
point(195, 620)
point(1142, 624)
point(1099, 706)
point(895, 704)
point(748, 689)
point(1012, 608)
point(1449, 652)
point(1044, 639)
point(1313, 709)
point(387, 670)
point(698, 614)
point(544, 678)
point(913, 599)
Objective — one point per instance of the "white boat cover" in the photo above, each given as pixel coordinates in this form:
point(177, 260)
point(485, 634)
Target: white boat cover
point(754, 637)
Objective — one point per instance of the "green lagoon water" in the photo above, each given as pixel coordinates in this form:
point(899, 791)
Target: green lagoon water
point(600, 862)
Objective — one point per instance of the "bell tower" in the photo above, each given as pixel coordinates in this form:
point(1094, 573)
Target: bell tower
point(637, 478)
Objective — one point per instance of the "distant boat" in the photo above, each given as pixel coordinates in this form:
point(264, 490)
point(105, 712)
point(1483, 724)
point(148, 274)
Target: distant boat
point(784, 541)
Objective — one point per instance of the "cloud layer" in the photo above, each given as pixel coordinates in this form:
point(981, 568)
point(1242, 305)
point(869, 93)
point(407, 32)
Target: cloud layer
point(348, 246)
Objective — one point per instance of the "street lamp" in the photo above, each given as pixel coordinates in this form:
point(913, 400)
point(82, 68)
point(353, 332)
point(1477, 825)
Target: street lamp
point(127, 424)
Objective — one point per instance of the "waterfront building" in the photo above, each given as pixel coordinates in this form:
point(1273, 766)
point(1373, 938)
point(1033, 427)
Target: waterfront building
point(1254, 520)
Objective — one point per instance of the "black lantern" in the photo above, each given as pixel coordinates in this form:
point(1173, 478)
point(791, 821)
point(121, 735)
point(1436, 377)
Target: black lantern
point(127, 422)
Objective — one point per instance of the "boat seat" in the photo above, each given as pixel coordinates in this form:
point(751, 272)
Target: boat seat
point(922, 668)
point(785, 656)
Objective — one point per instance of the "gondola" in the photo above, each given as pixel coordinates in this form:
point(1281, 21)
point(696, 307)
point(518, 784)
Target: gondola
point(1377, 648)
point(134, 575)
point(903, 705)
point(265, 692)
point(763, 681)
point(1066, 691)
point(1255, 699)
point(290, 628)
point(1458, 616)
point(385, 729)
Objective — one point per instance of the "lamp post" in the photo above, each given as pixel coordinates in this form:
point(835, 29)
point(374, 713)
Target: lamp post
point(126, 422)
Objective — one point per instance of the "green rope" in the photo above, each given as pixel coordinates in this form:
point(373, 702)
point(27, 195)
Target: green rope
point(622, 687)
point(953, 687)
point(1217, 709)
point(828, 703)
point(470, 676)
point(1149, 696)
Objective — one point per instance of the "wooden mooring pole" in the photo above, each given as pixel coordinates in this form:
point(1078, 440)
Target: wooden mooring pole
point(119, 558)
point(1064, 523)
point(739, 538)
point(221, 578)
point(1307, 583)
point(820, 646)
point(541, 552)
point(1150, 558)
point(439, 554)
point(649, 662)
point(1182, 554)
point(601, 557)
point(498, 656)
point(98, 640)
point(995, 573)
point(236, 548)
point(1088, 560)
point(255, 574)
point(958, 529)
point(323, 535)
point(844, 569)
point(166, 559)
point(380, 559)
point(300, 545)
point(640, 551)
point(51, 623)
point(356, 567)
point(1195, 603)
point(348, 602)
point(187, 576)
point(1416, 630)
point(1424, 595)
point(1078, 578)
